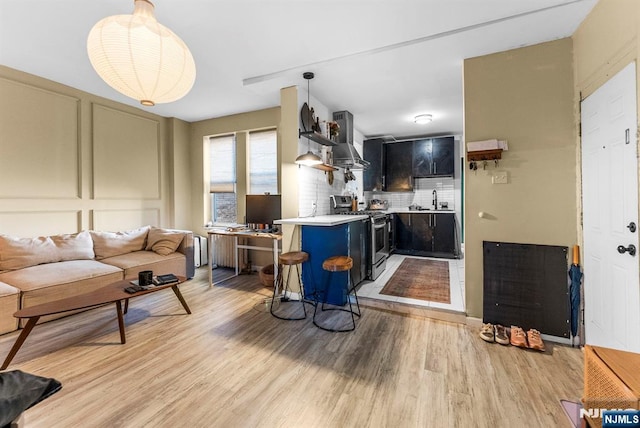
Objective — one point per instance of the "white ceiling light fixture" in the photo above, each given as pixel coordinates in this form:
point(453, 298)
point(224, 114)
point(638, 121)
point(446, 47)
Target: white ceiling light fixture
point(423, 119)
point(309, 158)
point(141, 58)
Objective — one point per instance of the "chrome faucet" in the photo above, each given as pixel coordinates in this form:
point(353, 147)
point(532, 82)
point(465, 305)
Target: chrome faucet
point(435, 199)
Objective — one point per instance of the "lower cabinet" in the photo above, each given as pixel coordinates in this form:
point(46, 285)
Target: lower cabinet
point(426, 234)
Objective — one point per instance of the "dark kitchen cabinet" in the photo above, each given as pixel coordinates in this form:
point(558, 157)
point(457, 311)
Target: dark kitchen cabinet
point(373, 153)
point(433, 157)
point(403, 232)
point(426, 234)
point(444, 234)
point(398, 159)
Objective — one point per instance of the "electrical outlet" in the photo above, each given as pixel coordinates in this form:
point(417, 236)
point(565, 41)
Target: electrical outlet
point(500, 177)
point(313, 205)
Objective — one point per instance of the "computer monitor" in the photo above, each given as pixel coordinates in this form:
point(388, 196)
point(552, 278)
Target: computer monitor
point(263, 210)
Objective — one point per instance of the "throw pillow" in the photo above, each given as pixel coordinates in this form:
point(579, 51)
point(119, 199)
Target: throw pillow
point(110, 244)
point(163, 241)
point(19, 253)
point(74, 246)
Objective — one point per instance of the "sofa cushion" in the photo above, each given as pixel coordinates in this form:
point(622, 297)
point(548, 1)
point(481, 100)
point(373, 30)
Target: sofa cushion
point(9, 303)
point(46, 275)
point(74, 246)
point(137, 261)
point(7, 290)
point(163, 241)
point(109, 244)
point(18, 253)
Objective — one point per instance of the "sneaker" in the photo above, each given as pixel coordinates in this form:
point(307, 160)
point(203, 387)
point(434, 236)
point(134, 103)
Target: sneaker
point(486, 333)
point(518, 338)
point(501, 334)
point(535, 341)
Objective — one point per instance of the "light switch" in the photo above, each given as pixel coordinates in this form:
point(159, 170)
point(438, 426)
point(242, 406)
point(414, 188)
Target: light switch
point(499, 177)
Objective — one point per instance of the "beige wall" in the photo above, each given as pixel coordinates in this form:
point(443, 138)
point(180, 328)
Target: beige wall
point(70, 161)
point(605, 42)
point(524, 96)
point(240, 124)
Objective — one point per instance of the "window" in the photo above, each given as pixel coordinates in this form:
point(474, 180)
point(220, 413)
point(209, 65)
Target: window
point(263, 162)
point(222, 183)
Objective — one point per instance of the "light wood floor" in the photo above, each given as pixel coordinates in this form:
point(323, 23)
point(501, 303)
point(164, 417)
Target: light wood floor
point(230, 364)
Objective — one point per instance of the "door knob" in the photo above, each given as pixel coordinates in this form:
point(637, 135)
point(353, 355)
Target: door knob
point(631, 249)
point(632, 227)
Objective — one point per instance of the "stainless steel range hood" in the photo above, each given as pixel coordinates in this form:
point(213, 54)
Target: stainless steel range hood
point(345, 154)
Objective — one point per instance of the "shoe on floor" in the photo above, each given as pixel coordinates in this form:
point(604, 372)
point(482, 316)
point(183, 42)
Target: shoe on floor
point(486, 333)
point(518, 338)
point(535, 341)
point(501, 334)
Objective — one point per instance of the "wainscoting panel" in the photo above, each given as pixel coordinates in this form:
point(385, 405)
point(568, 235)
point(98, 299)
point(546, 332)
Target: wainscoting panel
point(40, 223)
point(40, 150)
point(117, 220)
point(126, 155)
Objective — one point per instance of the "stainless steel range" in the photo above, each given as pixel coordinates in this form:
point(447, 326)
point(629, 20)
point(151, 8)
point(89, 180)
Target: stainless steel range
point(378, 242)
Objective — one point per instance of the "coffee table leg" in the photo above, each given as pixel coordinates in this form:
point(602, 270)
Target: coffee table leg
point(126, 306)
point(123, 338)
point(179, 296)
point(19, 341)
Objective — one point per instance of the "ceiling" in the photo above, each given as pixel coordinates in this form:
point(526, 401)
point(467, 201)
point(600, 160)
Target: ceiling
point(383, 60)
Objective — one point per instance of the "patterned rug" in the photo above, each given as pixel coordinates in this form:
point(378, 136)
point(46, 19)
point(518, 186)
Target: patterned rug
point(420, 279)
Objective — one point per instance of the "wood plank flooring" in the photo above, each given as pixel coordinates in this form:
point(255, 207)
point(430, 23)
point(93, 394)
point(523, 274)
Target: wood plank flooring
point(231, 364)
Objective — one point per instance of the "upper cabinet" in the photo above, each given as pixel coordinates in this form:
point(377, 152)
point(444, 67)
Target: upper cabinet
point(398, 172)
point(394, 166)
point(373, 154)
point(433, 157)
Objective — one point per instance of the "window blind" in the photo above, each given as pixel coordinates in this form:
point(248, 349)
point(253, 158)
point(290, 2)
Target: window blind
point(263, 162)
point(222, 152)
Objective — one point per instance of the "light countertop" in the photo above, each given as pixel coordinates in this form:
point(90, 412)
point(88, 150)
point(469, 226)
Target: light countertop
point(322, 220)
point(427, 211)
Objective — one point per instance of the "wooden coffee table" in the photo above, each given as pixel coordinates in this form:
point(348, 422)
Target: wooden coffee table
point(112, 293)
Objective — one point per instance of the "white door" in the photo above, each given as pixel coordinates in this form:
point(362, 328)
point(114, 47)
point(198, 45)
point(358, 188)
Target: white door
point(610, 205)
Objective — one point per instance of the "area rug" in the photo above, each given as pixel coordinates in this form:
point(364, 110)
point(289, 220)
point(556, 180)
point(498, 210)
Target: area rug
point(421, 279)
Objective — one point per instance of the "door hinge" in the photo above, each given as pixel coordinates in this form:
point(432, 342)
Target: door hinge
point(627, 138)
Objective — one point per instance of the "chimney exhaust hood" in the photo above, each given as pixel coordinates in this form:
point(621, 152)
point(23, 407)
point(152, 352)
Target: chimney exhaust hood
point(345, 154)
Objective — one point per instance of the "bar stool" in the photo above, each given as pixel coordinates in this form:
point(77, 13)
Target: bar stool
point(289, 259)
point(338, 264)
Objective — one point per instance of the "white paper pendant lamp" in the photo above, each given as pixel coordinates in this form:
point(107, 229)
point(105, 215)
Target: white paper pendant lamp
point(141, 58)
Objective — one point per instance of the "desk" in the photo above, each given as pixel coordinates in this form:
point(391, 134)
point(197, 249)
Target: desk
point(274, 248)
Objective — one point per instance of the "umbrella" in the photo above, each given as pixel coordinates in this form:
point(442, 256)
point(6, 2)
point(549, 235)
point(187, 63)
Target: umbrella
point(574, 291)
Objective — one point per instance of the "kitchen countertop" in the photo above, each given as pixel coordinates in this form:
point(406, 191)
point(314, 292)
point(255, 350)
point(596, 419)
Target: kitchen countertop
point(424, 211)
point(322, 220)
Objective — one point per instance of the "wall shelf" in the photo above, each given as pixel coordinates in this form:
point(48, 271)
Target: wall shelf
point(484, 155)
point(316, 137)
point(324, 167)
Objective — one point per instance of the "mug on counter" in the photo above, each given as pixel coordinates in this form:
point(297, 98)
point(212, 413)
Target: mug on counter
point(145, 278)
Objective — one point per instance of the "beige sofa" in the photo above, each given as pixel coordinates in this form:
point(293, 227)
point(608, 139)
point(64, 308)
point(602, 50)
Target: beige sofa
point(44, 269)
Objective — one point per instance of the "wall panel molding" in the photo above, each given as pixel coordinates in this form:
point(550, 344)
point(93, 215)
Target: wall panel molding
point(126, 155)
point(125, 219)
point(40, 223)
point(40, 151)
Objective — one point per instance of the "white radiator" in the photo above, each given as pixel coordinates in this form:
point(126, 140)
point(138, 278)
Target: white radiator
point(200, 250)
point(223, 252)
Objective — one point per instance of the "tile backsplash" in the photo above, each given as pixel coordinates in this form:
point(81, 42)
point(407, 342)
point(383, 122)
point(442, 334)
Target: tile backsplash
point(422, 194)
